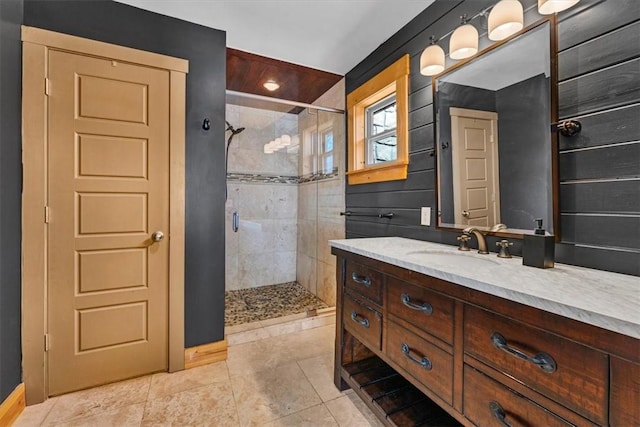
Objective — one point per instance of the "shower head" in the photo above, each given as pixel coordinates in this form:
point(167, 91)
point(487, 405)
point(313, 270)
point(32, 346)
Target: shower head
point(232, 129)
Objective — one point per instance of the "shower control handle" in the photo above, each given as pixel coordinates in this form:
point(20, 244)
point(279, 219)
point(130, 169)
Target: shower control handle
point(236, 222)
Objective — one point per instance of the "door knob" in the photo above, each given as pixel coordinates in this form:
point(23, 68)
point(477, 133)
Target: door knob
point(466, 214)
point(157, 236)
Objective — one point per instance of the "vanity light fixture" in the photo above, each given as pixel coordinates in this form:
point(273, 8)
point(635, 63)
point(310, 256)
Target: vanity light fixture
point(268, 149)
point(549, 7)
point(506, 18)
point(432, 59)
point(464, 40)
point(271, 85)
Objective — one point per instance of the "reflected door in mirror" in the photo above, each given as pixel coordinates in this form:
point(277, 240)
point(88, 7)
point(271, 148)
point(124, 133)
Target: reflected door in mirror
point(475, 167)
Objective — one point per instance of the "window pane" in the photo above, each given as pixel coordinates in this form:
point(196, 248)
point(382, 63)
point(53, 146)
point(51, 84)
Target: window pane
point(328, 142)
point(384, 119)
point(328, 164)
point(385, 149)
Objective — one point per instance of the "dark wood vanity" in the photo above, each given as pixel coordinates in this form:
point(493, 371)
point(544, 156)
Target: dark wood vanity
point(421, 351)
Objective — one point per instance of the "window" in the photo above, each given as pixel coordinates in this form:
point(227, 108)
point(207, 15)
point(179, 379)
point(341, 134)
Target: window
point(326, 151)
point(309, 151)
point(377, 115)
point(381, 138)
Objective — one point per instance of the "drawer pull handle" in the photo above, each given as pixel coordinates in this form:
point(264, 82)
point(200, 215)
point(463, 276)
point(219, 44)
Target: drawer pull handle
point(359, 319)
point(424, 361)
point(363, 280)
point(543, 360)
point(498, 413)
point(424, 307)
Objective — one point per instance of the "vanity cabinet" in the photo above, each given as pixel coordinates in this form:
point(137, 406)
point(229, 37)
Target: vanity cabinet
point(424, 351)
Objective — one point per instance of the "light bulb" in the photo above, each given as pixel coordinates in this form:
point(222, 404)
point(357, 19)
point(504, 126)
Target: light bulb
point(464, 42)
point(549, 7)
point(506, 18)
point(432, 60)
point(270, 85)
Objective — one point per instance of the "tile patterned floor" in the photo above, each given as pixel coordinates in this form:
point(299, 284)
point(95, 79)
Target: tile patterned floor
point(278, 373)
point(267, 302)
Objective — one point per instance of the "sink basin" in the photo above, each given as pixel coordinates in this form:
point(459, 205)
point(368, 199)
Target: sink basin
point(456, 258)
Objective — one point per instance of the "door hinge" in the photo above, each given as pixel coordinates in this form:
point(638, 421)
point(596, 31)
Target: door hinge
point(47, 342)
point(47, 86)
point(491, 138)
point(47, 213)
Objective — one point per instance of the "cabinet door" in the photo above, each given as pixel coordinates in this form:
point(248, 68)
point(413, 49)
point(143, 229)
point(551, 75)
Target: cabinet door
point(363, 322)
point(488, 403)
point(426, 310)
point(571, 374)
point(625, 393)
point(427, 363)
point(363, 281)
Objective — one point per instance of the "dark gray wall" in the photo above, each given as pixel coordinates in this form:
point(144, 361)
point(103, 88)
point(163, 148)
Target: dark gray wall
point(599, 72)
point(10, 189)
point(205, 49)
point(455, 95)
point(525, 153)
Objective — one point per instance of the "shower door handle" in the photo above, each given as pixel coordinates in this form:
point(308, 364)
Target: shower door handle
point(236, 222)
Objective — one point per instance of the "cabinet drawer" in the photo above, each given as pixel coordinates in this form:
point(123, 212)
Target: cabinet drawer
point(488, 403)
point(578, 380)
point(625, 393)
point(429, 311)
point(363, 322)
point(427, 363)
point(364, 281)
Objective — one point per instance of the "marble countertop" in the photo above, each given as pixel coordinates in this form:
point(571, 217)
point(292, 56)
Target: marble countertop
point(607, 300)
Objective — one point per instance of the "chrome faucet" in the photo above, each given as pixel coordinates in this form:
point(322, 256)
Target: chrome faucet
point(482, 243)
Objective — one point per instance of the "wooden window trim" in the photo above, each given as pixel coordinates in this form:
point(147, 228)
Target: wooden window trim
point(393, 79)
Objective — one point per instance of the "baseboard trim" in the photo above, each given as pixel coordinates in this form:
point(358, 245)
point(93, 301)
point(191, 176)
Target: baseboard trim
point(12, 406)
point(205, 354)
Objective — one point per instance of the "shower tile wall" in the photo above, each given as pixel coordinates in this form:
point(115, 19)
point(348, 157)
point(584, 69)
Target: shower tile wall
point(320, 202)
point(263, 251)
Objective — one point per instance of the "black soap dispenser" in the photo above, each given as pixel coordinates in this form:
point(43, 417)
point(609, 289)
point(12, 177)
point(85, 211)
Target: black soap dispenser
point(538, 248)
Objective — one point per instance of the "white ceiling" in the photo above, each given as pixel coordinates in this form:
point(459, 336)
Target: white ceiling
point(330, 35)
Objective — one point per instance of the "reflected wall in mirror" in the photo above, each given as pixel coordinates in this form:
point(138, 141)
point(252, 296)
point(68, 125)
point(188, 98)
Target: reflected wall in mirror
point(493, 115)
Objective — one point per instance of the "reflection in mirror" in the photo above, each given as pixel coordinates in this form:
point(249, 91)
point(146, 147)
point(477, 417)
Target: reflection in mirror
point(494, 140)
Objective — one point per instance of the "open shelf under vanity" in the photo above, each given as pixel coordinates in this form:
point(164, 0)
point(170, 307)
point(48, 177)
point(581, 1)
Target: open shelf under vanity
point(393, 397)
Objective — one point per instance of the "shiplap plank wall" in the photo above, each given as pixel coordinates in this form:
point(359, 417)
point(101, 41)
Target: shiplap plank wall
point(599, 85)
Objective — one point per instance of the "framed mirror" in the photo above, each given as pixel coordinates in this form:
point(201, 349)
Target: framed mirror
point(496, 154)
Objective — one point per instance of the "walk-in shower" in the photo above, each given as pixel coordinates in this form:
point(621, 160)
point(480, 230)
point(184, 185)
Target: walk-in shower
point(285, 180)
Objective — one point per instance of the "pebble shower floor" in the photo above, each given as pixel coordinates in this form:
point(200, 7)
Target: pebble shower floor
point(268, 302)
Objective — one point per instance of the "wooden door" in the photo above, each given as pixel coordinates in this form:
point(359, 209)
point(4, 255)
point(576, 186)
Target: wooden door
point(108, 192)
point(475, 166)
